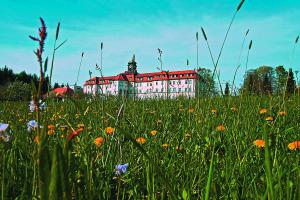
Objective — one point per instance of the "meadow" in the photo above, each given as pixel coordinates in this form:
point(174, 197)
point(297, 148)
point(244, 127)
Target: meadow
point(209, 148)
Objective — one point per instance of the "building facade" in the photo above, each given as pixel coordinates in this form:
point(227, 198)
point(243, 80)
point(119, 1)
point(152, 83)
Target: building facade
point(131, 84)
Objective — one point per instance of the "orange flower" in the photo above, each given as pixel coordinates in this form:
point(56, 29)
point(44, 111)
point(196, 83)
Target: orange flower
point(50, 126)
point(165, 146)
point(153, 133)
point(98, 141)
point(214, 111)
point(140, 140)
point(270, 118)
point(294, 145)
point(263, 111)
point(109, 130)
point(220, 128)
point(282, 113)
point(259, 143)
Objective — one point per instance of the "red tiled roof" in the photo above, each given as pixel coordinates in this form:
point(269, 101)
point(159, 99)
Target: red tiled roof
point(155, 76)
point(63, 90)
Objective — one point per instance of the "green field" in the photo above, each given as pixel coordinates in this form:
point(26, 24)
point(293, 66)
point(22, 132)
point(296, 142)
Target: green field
point(193, 149)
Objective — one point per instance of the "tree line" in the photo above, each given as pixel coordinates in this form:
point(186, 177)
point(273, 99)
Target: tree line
point(18, 86)
point(266, 80)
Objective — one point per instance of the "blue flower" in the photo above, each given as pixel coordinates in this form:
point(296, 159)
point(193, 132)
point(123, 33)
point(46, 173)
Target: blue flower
point(121, 169)
point(32, 124)
point(3, 127)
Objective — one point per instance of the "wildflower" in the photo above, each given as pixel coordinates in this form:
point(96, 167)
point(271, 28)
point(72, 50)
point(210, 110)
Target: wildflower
point(43, 105)
point(109, 130)
point(50, 126)
point(153, 133)
point(5, 137)
point(191, 110)
point(51, 132)
point(32, 124)
point(214, 111)
point(234, 109)
point(263, 111)
point(140, 140)
point(294, 145)
point(74, 133)
point(99, 141)
point(121, 169)
point(259, 143)
point(220, 128)
point(282, 113)
point(3, 127)
point(165, 146)
point(32, 106)
point(270, 118)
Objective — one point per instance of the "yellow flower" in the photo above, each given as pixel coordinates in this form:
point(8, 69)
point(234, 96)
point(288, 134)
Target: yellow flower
point(263, 111)
point(165, 146)
point(259, 143)
point(140, 140)
point(214, 111)
point(220, 128)
point(270, 118)
point(234, 109)
point(191, 110)
point(282, 113)
point(294, 145)
point(109, 130)
point(51, 132)
point(153, 133)
point(98, 141)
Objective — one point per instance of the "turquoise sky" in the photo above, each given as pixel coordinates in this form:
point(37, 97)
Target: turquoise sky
point(128, 27)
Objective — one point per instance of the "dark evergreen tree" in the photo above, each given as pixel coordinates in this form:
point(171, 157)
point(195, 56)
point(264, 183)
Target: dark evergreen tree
point(227, 89)
point(290, 84)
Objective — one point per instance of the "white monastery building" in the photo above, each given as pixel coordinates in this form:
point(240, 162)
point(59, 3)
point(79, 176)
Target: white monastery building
point(132, 84)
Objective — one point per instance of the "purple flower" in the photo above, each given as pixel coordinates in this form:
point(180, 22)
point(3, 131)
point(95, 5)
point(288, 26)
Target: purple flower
point(3, 127)
point(121, 169)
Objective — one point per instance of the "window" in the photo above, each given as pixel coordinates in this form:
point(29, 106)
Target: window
point(156, 83)
point(173, 82)
point(186, 81)
point(179, 89)
point(174, 89)
point(150, 84)
point(190, 89)
point(185, 89)
point(156, 89)
point(180, 75)
point(179, 82)
point(162, 89)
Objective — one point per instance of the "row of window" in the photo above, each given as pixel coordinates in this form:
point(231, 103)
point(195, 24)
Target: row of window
point(163, 76)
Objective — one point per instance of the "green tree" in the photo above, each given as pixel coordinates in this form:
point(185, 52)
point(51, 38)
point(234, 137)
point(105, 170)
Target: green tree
point(18, 91)
point(206, 86)
point(281, 78)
